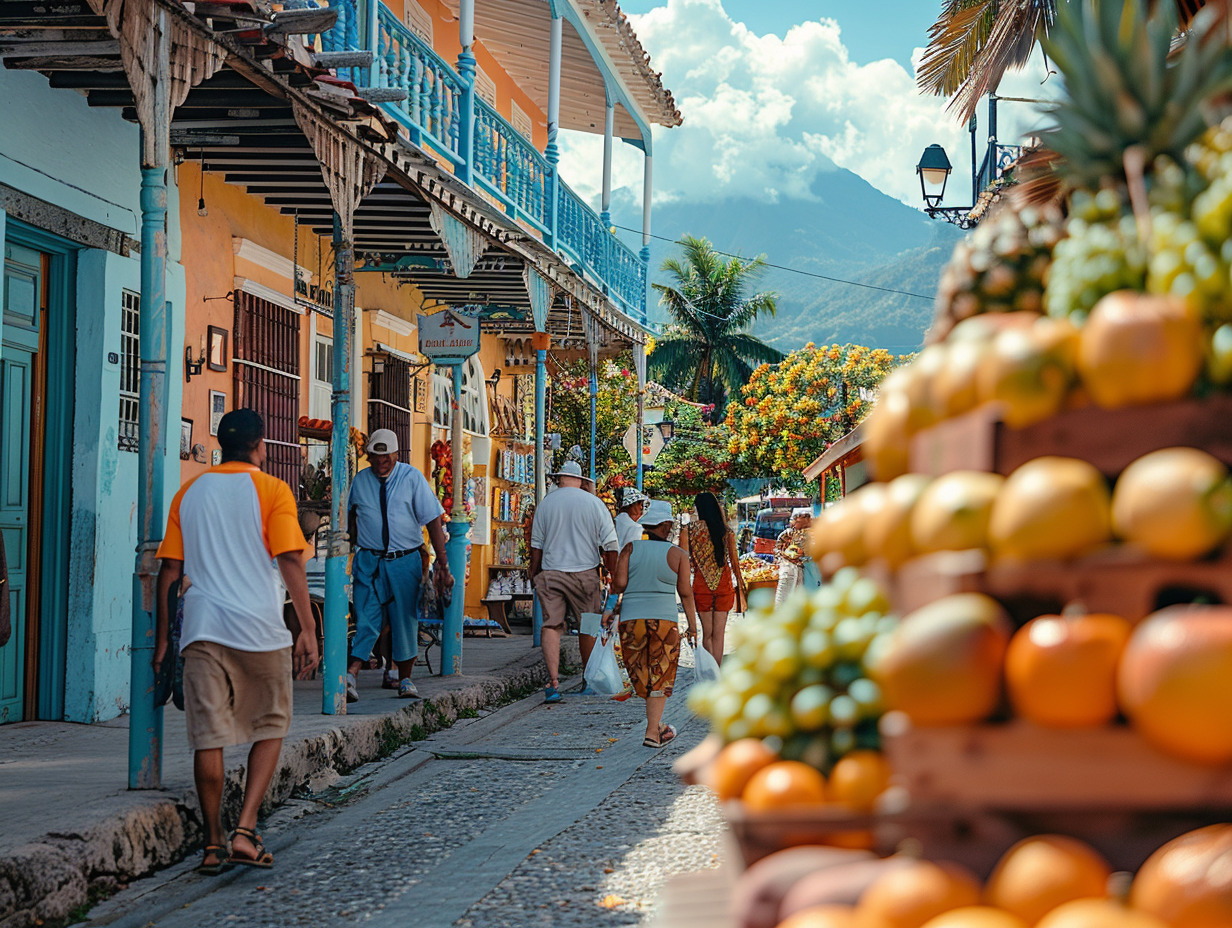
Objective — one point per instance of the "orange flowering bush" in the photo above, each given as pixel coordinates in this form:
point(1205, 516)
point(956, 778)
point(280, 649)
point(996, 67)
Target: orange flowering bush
point(789, 413)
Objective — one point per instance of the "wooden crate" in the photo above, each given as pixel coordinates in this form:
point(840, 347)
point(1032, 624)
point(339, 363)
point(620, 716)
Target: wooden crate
point(758, 834)
point(1120, 580)
point(1016, 765)
point(973, 791)
point(1108, 438)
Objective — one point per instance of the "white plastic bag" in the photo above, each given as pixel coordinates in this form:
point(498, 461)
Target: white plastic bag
point(603, 670)
point(705, 667)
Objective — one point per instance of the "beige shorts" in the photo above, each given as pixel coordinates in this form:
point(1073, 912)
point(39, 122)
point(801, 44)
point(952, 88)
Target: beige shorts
point(235, 697)
point(563, 597)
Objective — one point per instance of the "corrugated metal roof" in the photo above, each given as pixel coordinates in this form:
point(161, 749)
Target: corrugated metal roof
point(516, 32)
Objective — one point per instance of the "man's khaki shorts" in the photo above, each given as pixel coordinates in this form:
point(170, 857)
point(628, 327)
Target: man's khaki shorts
point(235, 697)
point(563, 597)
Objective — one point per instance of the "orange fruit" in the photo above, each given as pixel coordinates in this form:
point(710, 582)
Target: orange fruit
point(858, 779)
point(1175, 682)
point(735, 765)
point(823, 916)
point(887, 435)
point(887, 531)
point(1040, 873)
point(1060, 670)
point(1174, 503)
point(910, 896)
point(1028, 372)
point(952, 512)
point(1185, 883)
point(976, 916)
point(1050, 507)
point(785, 784)
point(1098, 913)
point(1137, 349)
point(942, 665)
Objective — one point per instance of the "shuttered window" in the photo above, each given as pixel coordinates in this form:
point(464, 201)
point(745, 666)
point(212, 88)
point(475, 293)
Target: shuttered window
point(389, 403)
point(130, 369)
point(267, 378)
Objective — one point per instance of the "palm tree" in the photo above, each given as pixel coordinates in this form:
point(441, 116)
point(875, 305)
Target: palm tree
point(974, 42)
point(706, 354)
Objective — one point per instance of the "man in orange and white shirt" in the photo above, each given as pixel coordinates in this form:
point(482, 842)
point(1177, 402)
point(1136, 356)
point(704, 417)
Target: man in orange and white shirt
point(234, 532)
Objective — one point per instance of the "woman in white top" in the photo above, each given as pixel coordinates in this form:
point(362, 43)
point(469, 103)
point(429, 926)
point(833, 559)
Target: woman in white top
point(630, 504)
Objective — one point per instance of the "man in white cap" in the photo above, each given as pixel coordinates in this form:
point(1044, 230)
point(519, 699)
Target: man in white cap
point(571, 531)
point(390, 505)
point(630, 504)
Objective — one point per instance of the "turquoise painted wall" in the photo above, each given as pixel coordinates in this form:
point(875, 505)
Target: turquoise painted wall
point(45, 158)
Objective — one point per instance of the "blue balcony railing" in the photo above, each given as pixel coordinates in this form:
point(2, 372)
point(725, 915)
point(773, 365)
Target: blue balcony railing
point(510, 167)
point(503, 163)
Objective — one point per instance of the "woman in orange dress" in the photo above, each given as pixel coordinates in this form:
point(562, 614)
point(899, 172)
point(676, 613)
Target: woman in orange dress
point(716, 571)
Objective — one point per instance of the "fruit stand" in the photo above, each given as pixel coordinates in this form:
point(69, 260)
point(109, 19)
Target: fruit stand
point(1010, 704)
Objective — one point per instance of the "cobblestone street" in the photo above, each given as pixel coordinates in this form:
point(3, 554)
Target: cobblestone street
point(530, 816)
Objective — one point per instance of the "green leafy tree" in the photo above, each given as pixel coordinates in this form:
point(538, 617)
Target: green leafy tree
point(788, 414)
point(698, 458)
point(616, 410)
point(706, 354)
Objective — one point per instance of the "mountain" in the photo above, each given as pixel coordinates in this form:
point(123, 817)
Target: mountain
point(849, 230)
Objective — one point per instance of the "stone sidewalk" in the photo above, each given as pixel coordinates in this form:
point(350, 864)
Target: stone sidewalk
point(70, 828)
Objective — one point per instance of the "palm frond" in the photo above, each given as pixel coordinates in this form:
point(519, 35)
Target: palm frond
point(954, 43)
point(1018, 26)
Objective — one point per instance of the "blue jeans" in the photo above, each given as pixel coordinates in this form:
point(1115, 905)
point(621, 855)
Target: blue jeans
point(386, 589)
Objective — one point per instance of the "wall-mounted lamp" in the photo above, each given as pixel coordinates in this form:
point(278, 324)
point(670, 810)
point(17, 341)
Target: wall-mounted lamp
point(495, 378)
point(378, 364)
point(193, 368)
point(667, 428)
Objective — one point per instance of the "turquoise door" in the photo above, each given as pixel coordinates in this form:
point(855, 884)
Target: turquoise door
point(23, 286)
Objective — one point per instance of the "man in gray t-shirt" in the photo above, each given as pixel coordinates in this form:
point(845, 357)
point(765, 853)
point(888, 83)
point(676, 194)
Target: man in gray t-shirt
point(572, 529)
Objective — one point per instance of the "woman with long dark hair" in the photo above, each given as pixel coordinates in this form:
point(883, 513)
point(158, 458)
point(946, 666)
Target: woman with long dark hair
point(716, 571)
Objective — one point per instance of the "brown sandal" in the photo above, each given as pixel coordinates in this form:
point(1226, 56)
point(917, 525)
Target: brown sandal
point(666, 734)
point(263, 859)
point(219, 853)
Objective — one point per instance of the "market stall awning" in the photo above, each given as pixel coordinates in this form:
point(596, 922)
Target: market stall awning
point(838, 453)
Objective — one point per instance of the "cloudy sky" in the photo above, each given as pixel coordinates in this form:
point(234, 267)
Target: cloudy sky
point(776, 92)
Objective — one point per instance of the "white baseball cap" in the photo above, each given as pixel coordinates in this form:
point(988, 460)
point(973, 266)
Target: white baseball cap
point(382, 441)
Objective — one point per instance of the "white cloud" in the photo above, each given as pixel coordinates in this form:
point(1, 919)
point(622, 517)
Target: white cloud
point(765, 115)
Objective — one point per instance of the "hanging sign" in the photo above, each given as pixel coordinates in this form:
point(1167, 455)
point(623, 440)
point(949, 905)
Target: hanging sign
point(448, 338)
point(652, 443)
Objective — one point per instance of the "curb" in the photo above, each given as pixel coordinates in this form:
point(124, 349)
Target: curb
point(56, 878)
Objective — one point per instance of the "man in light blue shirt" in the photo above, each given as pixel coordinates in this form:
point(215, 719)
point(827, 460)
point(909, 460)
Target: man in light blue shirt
point(390, 505)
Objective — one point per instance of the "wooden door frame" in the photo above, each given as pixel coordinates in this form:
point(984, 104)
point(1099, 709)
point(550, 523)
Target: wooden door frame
point(50, 515)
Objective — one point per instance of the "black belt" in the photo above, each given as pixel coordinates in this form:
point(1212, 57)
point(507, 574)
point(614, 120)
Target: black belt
point(392, 555)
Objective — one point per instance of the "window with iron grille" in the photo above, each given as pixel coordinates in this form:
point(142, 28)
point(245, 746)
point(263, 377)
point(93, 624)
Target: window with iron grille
point(130, 369)
point(266, 366)
point(389, 403)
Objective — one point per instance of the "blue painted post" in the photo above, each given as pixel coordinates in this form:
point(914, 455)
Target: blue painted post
point(641, 421)
point(541, 403)
point(145, 731)
point(552, 153)
point(451, 634)
point(145, 726)
point(333, 690)
point(466, 70)
point(605, 204)
point(647, 190)
point(594, 412)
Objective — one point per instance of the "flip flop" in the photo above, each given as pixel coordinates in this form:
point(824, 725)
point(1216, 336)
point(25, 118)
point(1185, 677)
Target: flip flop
point(666, 734)
point(263, 859)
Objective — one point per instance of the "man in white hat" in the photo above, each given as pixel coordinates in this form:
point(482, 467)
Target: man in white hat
point(571, 531)
point(390, 505)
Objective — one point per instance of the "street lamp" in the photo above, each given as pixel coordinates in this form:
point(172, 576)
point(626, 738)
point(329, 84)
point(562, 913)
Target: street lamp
point(934, 170)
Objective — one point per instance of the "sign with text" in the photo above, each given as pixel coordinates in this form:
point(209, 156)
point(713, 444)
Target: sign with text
point(447, 338)
point(652, 443)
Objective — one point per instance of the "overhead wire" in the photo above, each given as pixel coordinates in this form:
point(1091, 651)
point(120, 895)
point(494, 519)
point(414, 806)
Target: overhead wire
point(783, 267)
